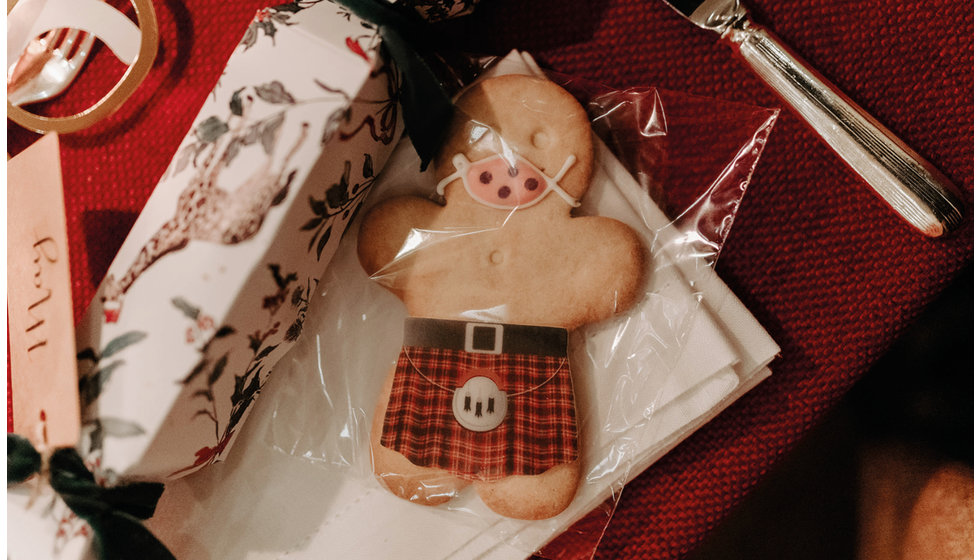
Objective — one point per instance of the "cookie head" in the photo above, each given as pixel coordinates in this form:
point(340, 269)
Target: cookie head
point(517, 141)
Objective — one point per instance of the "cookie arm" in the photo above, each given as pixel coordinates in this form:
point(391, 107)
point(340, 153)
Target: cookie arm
point(611, 270)
point(386, 228)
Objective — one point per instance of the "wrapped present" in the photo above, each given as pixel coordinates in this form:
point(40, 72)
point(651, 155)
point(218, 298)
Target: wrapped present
point(212, 284)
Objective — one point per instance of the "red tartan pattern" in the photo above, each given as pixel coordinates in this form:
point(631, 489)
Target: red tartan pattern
point(538, 432)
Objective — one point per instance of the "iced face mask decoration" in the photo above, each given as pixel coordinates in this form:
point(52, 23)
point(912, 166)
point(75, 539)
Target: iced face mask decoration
point(507, 181)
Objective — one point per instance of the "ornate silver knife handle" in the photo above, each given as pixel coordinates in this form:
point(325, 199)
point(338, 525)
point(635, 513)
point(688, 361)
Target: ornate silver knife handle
point(914, 188)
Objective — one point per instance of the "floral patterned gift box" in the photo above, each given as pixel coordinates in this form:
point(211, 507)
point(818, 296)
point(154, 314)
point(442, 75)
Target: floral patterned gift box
point(212, 284)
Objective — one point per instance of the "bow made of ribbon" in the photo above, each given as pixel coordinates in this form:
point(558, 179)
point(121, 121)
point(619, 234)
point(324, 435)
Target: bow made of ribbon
point(115, 514)
point(426, 106)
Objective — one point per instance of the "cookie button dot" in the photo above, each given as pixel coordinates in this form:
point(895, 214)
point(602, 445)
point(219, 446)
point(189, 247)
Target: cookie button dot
point(512, 171)
point(540, 139)
point(503, 192)
point(486, 177)
point(496, 257)
point(531, 184)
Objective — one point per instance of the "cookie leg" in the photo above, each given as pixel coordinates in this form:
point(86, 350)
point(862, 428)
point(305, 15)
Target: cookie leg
point(423, 485)
point(532, 497)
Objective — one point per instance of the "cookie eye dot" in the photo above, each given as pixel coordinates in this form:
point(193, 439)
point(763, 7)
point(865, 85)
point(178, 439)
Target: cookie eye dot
point(504, 192)
point(531, 184)
point(541, 139)
point(486, 177)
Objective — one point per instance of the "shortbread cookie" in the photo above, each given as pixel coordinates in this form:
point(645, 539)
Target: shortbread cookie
point(493, 281)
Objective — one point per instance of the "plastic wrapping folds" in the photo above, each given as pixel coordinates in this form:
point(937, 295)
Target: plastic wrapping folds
point(494, 332)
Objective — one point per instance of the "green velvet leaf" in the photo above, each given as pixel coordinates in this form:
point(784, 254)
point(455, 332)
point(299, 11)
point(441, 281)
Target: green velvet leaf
point(22, 459)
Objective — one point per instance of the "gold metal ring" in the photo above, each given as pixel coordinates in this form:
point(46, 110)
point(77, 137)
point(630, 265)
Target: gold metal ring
point(149, 40)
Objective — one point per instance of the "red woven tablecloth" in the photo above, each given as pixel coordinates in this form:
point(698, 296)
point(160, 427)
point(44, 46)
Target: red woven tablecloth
point(825, 267)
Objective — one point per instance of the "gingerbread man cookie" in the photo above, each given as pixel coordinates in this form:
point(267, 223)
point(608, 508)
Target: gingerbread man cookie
point(493, 280)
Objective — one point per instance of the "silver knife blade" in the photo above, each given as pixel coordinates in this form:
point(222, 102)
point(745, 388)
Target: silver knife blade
point(709, 14)
point(915, 189)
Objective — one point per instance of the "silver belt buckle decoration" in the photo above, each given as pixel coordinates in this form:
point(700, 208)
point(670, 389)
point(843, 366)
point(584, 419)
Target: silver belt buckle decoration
point(478, 338)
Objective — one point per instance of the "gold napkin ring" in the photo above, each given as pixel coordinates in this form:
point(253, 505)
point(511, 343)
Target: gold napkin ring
point(137, 71)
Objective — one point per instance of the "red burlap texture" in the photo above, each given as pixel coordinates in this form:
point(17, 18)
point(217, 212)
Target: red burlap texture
point(821, 262)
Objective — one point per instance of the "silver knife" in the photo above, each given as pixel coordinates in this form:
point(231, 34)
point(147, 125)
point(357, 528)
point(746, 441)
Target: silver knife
point(914, 188)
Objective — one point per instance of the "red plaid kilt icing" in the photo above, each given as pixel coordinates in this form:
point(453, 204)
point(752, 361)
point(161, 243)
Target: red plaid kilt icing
point(539, 430)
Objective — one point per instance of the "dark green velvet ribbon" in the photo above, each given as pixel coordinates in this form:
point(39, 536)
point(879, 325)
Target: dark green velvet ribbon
point(115, 514)
point(426, 107)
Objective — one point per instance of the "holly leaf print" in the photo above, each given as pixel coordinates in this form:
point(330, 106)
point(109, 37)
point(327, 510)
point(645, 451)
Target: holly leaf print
point(122, 341)
point(267, 19)
point(269, 29)
point(245, 397)
point(187, 154)
point(189, 310)
point(238, 393)
point(281, 195)
point(236, 103)
point(219, 368)
point(231, 152)
point(323, 242)
point(274, 92)
point(224, 331)
point(318, 206)
point(87, 354)
point(117, 427)
point(266, 351)
point(251, 35)
point(282, 18)
point(252, 133)
point(294, 330)
point(312, 224)
point(337, 194)
point(96, 436)
point(333, 124)
point(280, 280)
point(368, 168)
point(270, 131)
point(90, 386)
point(298, 294)
point(210, 129)
point(196, 371)
point(254, 342)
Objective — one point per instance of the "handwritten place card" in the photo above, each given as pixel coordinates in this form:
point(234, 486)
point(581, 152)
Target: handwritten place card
point(44, 380)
